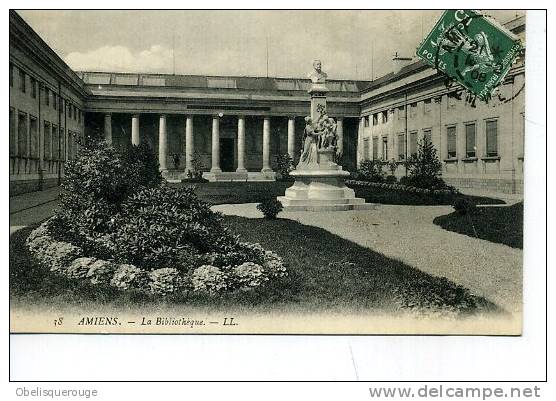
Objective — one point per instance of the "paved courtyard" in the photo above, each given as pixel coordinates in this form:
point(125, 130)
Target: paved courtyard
point(407, 233)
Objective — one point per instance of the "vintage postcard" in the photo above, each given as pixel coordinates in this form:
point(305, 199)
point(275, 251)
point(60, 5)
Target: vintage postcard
point(267, 172)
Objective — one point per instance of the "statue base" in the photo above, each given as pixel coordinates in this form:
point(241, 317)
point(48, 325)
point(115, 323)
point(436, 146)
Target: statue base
point(320, 187)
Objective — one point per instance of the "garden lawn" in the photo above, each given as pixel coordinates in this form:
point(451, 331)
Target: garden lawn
point(218, 193)
point(386, 196)
point(500, 224)
point(326, 274)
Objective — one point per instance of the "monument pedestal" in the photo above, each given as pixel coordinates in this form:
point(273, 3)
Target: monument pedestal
point(319, 181)
point(321, 187)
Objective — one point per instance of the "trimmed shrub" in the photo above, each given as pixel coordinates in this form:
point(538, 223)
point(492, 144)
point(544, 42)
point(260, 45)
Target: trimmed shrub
point(270, 208)
point(425, 168)
point(101, 272)
point(249, 275)
point(95, 186)
point(462, 206)
point(209, 279)
point(284, 166)
point(391, 179)
point(129, 277)
point(79, 268)
point(165, 281)
point(371, 170)
point(162, 226)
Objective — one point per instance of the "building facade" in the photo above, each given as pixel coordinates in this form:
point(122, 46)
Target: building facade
point(233, 128)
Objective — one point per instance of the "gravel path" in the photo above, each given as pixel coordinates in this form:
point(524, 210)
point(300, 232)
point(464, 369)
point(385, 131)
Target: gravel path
point(407, 233)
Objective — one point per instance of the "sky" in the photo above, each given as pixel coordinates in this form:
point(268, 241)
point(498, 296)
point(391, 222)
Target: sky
point(351, 44)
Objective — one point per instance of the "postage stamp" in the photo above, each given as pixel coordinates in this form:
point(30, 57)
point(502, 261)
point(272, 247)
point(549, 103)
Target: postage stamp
point(471, 48)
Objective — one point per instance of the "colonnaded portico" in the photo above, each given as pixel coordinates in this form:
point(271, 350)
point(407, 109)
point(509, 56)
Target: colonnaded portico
point(237, 147)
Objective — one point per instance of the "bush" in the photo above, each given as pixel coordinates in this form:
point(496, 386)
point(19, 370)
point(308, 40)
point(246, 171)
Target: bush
point(209, 279)
point(95, 186)
point(463, 206)
point(165, 281)
point(249, 275)
point(371, 170)
point(284, 165)
point(391, 179)
point(392, 166)
point(142, 167)
point(163, 226)
point(425, 168)
point(270, 208)
point(118, 224)
point(196, 174)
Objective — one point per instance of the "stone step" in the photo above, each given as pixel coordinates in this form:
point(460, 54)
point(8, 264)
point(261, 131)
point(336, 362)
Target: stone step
point(340, 201)
point(329, 207)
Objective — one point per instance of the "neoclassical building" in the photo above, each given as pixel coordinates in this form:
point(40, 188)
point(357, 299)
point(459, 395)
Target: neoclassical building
point(233, 128)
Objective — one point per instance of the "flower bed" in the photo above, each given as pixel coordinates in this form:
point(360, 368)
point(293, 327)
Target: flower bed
point(229, 275)
point(400, 187)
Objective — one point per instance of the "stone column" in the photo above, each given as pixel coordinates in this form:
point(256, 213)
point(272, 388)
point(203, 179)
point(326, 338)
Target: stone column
point(291, 137)
point(340, 134)
point(360, 132)
point(135, 139)
point(189, 144)
point(162, 143)
point(266, 145)
point(215, 168)
point(241, 145)
point(108, 128)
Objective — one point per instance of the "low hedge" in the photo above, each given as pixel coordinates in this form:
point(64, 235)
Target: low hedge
point(401, 187)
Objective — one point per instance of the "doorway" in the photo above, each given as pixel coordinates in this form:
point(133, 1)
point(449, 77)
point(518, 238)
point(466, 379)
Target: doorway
point(227, 147)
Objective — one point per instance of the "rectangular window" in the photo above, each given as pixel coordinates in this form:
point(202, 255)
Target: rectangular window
point(22, 134)
point(70, 145)
point(375, 119)
point(33, 88)
point(366, 121)
point(401, 146)
point(366, 149)
point(34, 133)
point(413, 143)
point(54, 101)
point(451, 142)
point(11, 75)
point(492, 138)
point(427, 105)
point(427, 135)
point(13, 137)
point(55, 143)
point(384, 148)
point(34, 136)
point(47, 141)
point(69, 111)
point(62, 144)
point(384, 116)
point(413, 110)
point(22, 81)
point(401, 112)
point(47, 96)
point(470, 149)
point(375, 148)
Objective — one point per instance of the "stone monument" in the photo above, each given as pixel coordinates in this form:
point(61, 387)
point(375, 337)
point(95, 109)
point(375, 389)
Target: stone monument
point(319, 180)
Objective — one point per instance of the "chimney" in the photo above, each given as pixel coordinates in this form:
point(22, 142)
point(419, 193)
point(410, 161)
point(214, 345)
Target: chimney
point(399, 62)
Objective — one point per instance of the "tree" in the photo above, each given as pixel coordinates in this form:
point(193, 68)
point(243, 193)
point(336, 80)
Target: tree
point(425, 168)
